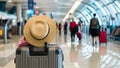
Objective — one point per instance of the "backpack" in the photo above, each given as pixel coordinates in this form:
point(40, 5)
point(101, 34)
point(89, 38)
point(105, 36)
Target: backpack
point(94, 23)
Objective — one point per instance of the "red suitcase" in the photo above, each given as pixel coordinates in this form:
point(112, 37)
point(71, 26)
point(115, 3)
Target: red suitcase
point(79, 35)
point(103, 37)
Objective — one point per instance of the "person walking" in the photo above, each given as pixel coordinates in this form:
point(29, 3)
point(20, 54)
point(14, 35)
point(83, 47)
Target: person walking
point(94, 29)
point(73, 29)
point(65, 28)
point(80, 24)
point(60, 28)
point(79, 33)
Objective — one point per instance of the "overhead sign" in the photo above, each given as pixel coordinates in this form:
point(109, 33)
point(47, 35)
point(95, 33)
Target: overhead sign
point(2, 6)
point(30, 4)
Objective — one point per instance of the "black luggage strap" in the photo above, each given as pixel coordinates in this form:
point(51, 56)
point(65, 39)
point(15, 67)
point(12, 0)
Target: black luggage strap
point(38, 51)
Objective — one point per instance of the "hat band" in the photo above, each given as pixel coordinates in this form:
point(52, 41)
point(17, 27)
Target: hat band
point(43, 37)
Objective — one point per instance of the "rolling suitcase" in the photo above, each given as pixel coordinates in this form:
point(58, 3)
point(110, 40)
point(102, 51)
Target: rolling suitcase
point(103, 37)
point(79, 35)
point(39, 57)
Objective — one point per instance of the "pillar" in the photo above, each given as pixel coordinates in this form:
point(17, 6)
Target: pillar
point(24, 14)
point(19, 18)
point(19, 12)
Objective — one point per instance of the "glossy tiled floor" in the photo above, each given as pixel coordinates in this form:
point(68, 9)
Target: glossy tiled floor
point(76, 54)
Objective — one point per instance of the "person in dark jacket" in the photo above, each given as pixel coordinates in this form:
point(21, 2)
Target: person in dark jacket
point(65, 27)
point(80, 24)
point(94, 29)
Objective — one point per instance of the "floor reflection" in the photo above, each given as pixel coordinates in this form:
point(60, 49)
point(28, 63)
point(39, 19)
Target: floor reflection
point(76, 54)
point(95, 58)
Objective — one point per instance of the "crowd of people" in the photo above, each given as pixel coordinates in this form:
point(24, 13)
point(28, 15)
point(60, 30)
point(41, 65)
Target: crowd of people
point(75, 28)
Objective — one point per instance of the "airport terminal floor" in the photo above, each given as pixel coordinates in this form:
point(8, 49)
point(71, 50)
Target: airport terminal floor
point(76, 54)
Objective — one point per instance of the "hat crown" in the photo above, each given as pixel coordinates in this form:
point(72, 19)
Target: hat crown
point(39, 29)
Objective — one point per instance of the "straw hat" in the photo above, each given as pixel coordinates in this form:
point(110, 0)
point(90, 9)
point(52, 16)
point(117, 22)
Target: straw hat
point(39, 29)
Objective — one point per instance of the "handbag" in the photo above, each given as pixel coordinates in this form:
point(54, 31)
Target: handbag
point(79, 35)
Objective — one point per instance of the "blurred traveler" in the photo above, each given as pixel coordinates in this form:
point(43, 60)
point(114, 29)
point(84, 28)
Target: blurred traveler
point(65, 27)
point(73, 29)
point(79, 35)
point(80, 24)
point(25, 22)
point(9, 29)
point(60, 28)
point(94, 29)
point(36, 12)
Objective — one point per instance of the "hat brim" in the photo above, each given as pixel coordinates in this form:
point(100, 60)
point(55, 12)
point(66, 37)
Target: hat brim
point(50, 36)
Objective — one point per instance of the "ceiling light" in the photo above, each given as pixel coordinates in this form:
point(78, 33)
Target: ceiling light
point(72, 0)
point(74, 7)
point(36, 7)
point(56, 1)
point(9, 0)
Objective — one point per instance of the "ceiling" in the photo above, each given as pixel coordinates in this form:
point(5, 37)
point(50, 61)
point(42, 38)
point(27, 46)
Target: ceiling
point(58, 8)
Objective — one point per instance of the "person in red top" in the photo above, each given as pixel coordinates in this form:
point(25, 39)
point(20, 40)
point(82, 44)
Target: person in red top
point(72, 31)
point(60, 27)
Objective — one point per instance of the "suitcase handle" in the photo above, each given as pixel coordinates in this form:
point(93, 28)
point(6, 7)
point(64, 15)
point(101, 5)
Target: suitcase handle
point(38, 51)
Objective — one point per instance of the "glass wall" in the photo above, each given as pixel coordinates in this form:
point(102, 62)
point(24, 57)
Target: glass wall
point(108, 12)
